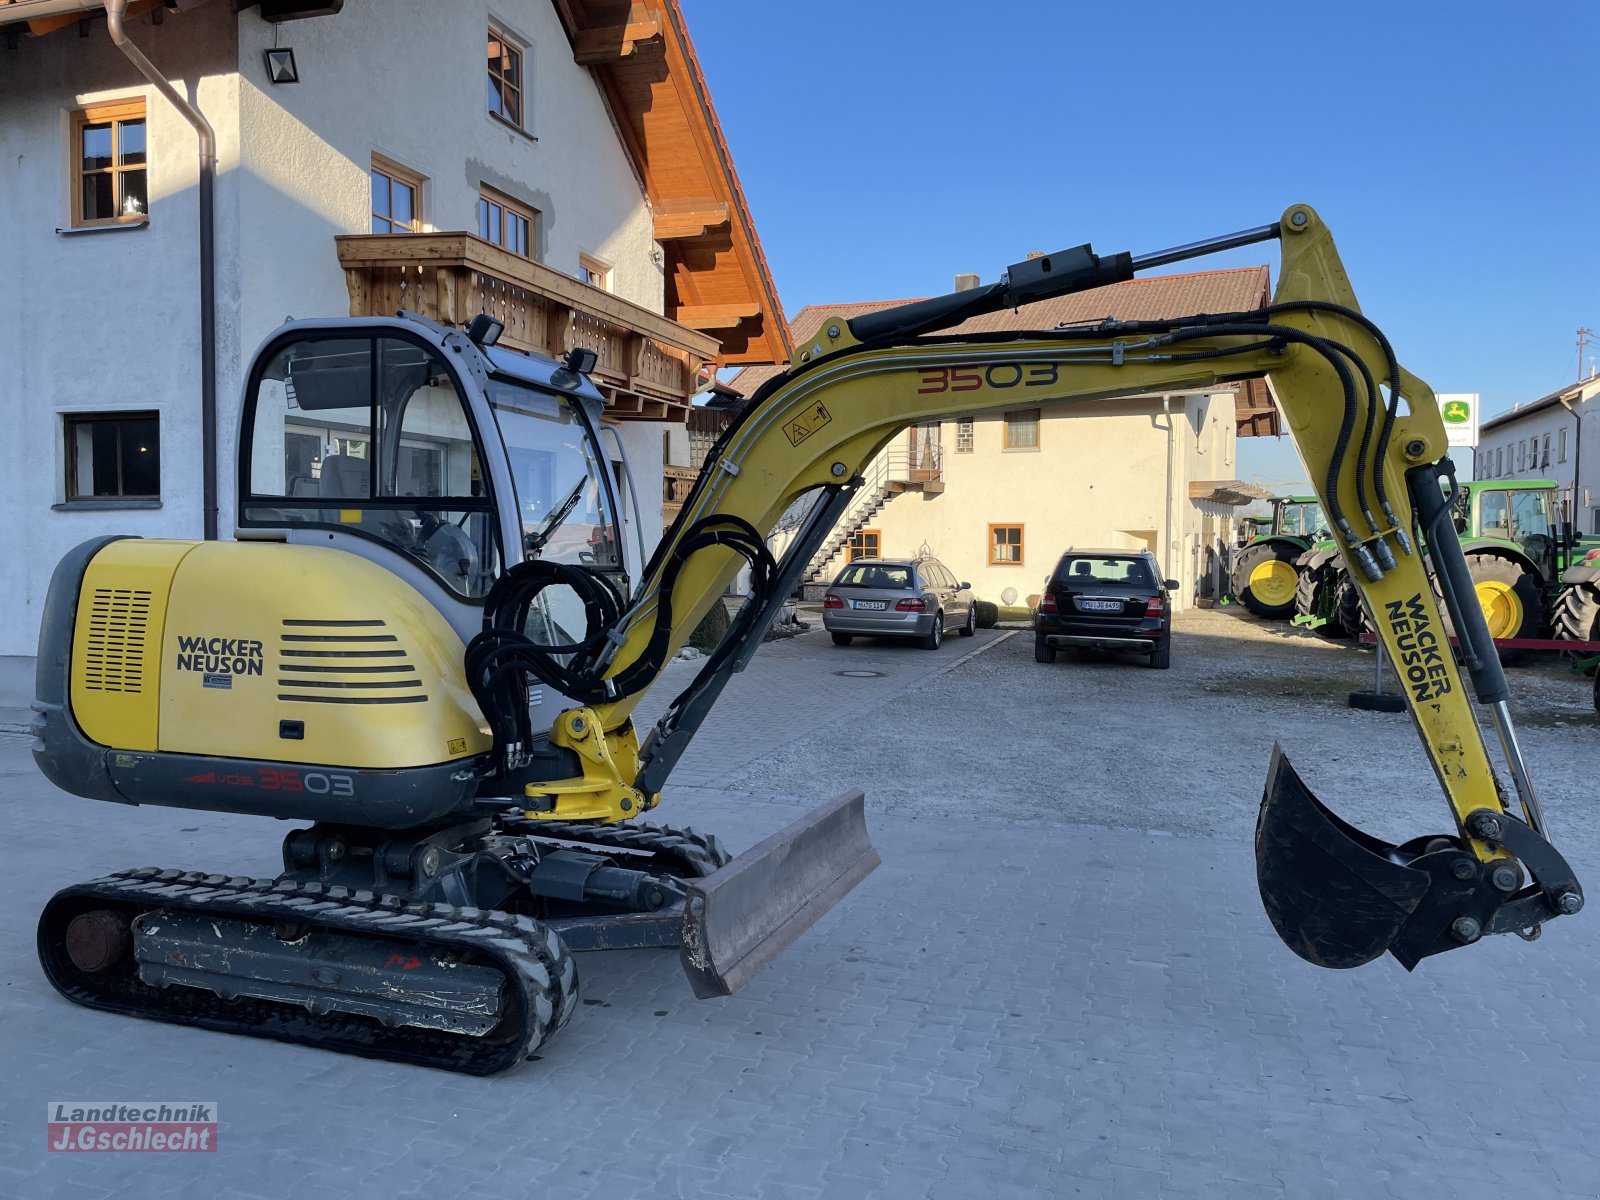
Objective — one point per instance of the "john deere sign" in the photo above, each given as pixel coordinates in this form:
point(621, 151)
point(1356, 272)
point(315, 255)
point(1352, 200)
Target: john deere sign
point(1460, 413)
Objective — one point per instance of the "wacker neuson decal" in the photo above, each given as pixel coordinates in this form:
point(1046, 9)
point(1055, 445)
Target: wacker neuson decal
point(219, 659)
point(1421, 649)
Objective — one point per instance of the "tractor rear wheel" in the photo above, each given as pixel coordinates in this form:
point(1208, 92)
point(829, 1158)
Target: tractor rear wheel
point(1576, 616)
point(1264, 579)
point(1347, 604)
point(1315, 595)
point(1510, 596)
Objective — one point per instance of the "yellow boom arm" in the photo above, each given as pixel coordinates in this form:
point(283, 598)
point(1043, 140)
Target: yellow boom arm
point(843, 398)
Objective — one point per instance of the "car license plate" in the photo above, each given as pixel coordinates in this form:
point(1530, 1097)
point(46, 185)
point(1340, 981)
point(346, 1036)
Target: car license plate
point(873, 604)
point(1100, 605)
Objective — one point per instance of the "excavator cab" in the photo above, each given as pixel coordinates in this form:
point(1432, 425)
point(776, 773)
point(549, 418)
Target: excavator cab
point(439, 459)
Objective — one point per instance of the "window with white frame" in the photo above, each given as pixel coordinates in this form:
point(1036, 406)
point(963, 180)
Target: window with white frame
point(1561, 445)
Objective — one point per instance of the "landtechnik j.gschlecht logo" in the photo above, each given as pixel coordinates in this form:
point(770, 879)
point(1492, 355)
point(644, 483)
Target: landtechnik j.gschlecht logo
point(163, 1126)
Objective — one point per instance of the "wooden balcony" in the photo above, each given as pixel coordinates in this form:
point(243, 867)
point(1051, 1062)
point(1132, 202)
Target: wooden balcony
point(648, 368)
point(676, 484)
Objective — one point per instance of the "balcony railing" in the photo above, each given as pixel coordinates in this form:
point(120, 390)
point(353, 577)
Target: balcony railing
point(676, 484)
point(648, 368)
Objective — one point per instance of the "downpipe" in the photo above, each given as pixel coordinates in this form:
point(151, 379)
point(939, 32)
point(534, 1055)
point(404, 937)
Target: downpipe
point(116, 13)
point(1166, 519)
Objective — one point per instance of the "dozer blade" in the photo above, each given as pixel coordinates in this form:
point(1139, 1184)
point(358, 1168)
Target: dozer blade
point(1337, 897)
point(740, 918)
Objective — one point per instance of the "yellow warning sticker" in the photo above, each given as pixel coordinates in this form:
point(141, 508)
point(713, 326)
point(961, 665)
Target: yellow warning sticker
point(807, 423)
point(458, 745)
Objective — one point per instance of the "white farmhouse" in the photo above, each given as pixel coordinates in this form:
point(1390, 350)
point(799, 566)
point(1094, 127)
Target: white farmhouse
point(999, 496)
point(556, 163)
point(1555, 437)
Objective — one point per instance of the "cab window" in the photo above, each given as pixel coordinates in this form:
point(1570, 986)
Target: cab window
point(370, 436)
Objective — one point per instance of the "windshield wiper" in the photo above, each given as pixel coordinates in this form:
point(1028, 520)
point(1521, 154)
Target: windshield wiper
point(534, 542)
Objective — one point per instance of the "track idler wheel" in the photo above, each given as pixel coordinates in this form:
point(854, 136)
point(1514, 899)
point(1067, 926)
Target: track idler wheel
point(1339, 897)
point(97, 940)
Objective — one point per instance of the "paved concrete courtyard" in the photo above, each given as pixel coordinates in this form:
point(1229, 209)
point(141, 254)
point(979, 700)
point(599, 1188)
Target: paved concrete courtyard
point(1059, 983)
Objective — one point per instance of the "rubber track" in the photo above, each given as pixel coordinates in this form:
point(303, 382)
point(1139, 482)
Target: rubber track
point(539, 998)
point(694, 855)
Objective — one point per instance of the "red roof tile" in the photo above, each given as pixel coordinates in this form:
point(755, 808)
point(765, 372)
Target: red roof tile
point(1152, 298)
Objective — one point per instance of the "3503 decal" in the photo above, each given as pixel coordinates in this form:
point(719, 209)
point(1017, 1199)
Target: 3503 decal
point(996, 375)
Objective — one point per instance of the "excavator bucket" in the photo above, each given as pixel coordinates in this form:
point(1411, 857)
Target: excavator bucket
point(1337, 897)
point(740, 918)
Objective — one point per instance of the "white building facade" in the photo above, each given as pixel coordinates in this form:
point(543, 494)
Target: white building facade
point(1556, 437)
point(387, 129)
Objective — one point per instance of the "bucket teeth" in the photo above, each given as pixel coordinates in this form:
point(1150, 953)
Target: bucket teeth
point(1337, 897)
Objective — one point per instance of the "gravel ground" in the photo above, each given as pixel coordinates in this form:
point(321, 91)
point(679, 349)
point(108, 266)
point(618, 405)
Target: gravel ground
point(1103, 740)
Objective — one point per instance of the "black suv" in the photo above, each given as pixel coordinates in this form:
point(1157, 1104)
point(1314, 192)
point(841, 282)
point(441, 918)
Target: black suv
point(1109, 600)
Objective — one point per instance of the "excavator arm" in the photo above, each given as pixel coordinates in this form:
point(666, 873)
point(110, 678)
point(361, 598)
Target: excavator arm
point(1374, 444)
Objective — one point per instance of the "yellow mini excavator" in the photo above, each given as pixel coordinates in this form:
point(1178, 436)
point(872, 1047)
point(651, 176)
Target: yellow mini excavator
point(428, 639)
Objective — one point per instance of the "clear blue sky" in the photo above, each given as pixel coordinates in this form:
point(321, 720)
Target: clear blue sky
point(885, 146)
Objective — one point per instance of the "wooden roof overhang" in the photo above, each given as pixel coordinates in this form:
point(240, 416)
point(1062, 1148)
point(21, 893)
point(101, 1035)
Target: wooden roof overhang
point(717, 278)
point(40, 18)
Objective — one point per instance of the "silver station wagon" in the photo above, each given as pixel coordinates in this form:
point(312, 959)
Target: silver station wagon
point(908, 598)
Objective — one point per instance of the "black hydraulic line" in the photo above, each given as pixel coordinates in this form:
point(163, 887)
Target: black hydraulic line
point(1364, 466)
point(502, 656)
point(1391, 365)
point(1329, 351)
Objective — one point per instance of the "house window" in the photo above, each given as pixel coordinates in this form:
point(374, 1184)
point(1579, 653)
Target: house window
point(1022, 429)
point(1005, 545)
point(113, 456)
point(504, 222)
point(1561, 445)
point(505, 78)
point(594, 272)
point(110, 184)
point(963, 437)
point(396, 198)
point(865, 543)
point(1499, 461)
point(1544, 460)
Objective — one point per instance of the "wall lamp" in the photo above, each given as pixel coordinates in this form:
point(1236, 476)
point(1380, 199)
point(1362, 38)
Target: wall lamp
point(281, 66)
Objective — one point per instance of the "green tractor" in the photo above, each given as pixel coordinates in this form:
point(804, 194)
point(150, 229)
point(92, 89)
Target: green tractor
point(1264, 576)
point(1524, 566)
point(1575, 617)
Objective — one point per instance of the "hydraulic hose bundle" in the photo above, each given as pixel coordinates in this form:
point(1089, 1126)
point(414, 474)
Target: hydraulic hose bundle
point(501, 658)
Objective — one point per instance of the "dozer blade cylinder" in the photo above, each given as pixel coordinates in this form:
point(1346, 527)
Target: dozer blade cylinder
point(743, 916)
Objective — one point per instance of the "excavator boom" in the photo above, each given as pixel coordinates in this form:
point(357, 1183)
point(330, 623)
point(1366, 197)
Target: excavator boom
point(1374, 443)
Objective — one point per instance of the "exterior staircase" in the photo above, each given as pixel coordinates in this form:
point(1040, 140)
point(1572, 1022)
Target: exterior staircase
point(892, 473)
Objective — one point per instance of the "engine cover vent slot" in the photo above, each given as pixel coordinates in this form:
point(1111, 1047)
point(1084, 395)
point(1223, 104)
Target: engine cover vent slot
point(345, 662)
point(113, 653)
